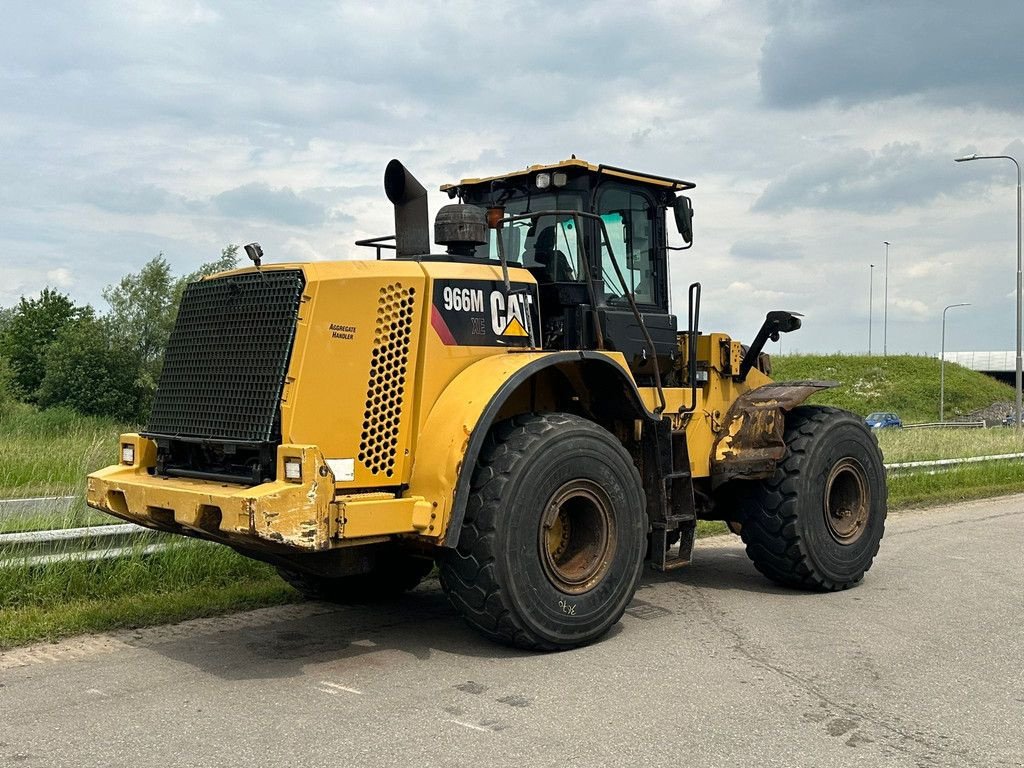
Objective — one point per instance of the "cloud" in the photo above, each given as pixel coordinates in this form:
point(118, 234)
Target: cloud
point(60, 277)
point(864, 181)
point(119, 195)
point(259, 201)
point(814, 130)
point(852, 53)
point(765, 250)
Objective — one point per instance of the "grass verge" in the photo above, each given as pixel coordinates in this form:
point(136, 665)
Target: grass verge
point(195, 579)
point(971, 481)
point(899, 445)
point(70, 514)
point(49, 453)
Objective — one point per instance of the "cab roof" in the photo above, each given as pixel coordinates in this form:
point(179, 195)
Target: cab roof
point(577, 164)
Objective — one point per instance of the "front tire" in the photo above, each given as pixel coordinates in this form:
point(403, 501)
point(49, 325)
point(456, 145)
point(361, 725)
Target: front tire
point(552, 545)
point(818, 522)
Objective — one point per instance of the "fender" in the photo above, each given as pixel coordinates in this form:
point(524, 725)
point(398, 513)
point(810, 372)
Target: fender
point(453, 434)
point(751, 441)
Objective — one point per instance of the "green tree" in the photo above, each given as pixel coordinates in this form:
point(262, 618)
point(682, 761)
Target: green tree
point(27, 333)
point(143, 307)
point(7, 395)
point(142, 313)
point(88, 368)
point(228, 260)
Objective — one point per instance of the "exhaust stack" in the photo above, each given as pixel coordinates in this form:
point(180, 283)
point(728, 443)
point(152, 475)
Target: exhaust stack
point(412, 225)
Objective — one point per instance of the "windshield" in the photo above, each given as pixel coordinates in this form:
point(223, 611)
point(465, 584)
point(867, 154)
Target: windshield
point(546, 245)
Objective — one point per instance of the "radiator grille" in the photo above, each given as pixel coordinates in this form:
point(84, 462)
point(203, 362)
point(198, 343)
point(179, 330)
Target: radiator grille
point(386, 386)
point(227, 357)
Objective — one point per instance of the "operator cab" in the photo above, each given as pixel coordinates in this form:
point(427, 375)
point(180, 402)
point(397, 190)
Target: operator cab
point(593, 236)
point(570, 220)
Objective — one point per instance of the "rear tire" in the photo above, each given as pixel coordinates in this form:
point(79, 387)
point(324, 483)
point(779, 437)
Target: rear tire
point(395, 573)
point(818, 522)
point(553, 542)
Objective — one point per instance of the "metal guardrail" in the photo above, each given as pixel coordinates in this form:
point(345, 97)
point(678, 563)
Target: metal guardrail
point(947, 425)
point(37, 498)
point(101, 542)
point(949, 463)
point(98, 542)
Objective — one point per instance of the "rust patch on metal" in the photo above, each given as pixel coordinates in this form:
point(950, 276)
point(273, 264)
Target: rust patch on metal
point(751, 442)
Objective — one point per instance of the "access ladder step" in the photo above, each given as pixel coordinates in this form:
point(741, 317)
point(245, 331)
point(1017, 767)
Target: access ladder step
point(662, 558)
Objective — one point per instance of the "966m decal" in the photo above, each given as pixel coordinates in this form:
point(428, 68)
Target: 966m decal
point(484, 313)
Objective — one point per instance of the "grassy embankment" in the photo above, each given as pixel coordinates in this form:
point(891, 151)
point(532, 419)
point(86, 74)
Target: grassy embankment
point(904, 384)
point(47, 454)
point(909, 386)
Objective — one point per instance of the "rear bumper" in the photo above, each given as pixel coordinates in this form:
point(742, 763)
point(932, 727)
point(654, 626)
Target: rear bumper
point(276, 516)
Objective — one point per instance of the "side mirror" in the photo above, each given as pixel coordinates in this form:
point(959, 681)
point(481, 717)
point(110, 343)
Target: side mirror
point(683, 210)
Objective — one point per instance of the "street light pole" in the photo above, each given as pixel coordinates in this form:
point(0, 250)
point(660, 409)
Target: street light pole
point(871, 295)
point(1019, 365)
point(942, 365)
point(885, 305)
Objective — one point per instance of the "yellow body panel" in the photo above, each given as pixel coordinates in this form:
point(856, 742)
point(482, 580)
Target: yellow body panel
point(382, 460)
point(705, 423)
point(451, 422)
point(345, 350)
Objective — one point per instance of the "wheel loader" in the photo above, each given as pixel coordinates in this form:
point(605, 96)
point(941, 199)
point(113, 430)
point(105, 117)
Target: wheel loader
point(518, 404)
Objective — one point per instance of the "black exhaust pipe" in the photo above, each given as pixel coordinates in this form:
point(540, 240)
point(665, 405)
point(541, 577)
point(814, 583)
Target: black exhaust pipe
point(412, 224)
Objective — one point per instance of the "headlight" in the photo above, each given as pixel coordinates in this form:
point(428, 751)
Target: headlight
point(127, 454)
point(293, 469)
point(543, 180)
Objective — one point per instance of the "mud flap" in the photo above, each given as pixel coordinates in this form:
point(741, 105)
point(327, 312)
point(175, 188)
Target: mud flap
point(751, 441)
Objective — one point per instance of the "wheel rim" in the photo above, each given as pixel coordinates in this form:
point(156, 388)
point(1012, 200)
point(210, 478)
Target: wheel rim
point(577, 536)
point(847, 501)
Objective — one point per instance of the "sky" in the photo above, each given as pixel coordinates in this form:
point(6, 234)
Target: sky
point(814, 131)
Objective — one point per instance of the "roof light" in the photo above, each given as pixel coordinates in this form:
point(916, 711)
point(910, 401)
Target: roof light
point(543, 180)
point(559, 179)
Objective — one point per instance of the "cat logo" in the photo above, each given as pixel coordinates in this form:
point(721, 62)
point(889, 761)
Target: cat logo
point(509, 315)
point(485, 313)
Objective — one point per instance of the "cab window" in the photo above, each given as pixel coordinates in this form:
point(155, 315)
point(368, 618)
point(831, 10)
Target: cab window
point(629, 219)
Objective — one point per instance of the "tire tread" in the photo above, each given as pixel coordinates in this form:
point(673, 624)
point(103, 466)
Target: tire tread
point(467, 574)
point(770, 530)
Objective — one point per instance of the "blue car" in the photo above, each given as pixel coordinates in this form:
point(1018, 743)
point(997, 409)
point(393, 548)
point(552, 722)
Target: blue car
point(883, 420)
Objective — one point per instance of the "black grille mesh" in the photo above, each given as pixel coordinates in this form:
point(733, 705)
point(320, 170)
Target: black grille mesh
point(383, 414)
point(227, 357)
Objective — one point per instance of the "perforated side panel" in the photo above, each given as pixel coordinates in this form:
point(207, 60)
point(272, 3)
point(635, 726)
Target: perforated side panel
point(386, 387)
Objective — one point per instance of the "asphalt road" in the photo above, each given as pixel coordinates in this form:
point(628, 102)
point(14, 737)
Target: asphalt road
point(921, 665)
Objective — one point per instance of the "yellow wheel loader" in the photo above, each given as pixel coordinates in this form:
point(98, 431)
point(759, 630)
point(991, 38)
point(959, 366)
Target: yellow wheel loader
point(519, 405)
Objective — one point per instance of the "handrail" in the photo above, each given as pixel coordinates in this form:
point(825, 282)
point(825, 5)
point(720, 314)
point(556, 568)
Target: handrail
point(692, 332)
point(378, 243)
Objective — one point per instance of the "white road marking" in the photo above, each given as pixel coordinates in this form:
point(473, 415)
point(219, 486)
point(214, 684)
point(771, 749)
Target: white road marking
point(471, 725)
point(336, 688)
